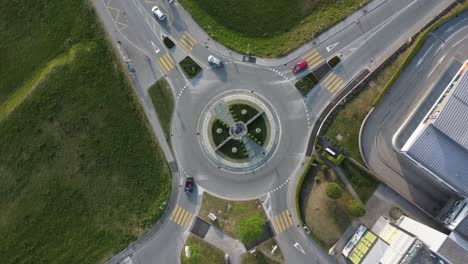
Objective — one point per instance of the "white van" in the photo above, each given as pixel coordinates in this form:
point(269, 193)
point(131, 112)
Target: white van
point(158, 13)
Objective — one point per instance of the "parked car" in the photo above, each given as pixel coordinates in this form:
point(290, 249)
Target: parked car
point(299, 66)
point(213, 60)
point(189, 185)
point(158, 13)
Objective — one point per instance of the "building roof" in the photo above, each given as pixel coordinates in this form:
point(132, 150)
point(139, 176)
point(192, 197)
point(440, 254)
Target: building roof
point(453, 120)
point(462, 228)
point(443, 145)
point(443, 156)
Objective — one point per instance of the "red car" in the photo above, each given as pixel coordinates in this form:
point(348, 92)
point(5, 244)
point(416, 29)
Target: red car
point(299, 66)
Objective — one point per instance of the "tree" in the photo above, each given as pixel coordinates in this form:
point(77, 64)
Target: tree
point(356, 208)
point(250, 228)
point(334, 191)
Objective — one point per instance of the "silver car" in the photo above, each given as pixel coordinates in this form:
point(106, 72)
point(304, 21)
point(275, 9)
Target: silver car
point(158, 13)
point(213, 60)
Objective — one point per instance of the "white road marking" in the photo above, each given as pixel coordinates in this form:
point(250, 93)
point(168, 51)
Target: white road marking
point(438, 62)
point(296, 245)
point(460, 41)
point(425, 54)
point(332, 46)
point(156, 49)
point(452, 27)
point(376, 29)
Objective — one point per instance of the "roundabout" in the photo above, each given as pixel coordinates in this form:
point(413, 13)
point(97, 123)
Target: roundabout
point(233, 132)
point(238, 131)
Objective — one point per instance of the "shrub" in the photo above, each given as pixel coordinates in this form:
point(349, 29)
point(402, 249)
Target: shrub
point(334, 61)
point(250, 228)
point(168, 42)
point(356, 208)
point(334, 191)
point(306, 84)
point(190, 67)
point(317, 179)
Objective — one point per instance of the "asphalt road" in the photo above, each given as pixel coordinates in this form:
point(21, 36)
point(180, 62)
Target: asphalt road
point(444, 45)
point(363, 41)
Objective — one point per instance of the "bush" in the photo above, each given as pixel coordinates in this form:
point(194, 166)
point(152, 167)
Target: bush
point(334, 191)
point(334, 61)
point(317, 179)
point(356, 208)
point(190, 67)
point(168, 42)
point(250, 228)
point(306, 84)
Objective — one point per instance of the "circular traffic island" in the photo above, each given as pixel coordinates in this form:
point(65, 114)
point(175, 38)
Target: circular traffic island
point(239, 130)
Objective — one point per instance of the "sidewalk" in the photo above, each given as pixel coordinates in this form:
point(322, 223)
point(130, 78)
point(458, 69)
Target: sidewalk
point(229, 245)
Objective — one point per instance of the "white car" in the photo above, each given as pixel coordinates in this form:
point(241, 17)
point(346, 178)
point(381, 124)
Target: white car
point(158, 13)
point(212, 59)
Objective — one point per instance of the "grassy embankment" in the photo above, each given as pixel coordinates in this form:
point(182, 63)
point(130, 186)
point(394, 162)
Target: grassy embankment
point(81, 174)
point(163, 102)
point(267, 28)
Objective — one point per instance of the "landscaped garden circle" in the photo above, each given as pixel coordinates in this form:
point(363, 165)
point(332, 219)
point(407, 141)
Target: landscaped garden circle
point(239, 131)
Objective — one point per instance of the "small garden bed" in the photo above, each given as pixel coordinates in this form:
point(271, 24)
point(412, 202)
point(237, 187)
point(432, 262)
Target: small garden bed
point(306, 84)
point(258, 130)
point(242, 112)
point(334, 61)
point(219, 126)
point(234, 149)
point(168, 42)
point(190, 67)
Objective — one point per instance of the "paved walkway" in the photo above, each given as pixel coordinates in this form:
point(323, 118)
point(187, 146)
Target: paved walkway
point(229, 245)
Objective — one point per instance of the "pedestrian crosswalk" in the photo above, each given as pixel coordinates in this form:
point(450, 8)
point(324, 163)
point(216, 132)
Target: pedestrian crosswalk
point(187, 42)
point(181, 216)
point(313, 59)
point(166, 62)
point(333, 83)
point(282, 222)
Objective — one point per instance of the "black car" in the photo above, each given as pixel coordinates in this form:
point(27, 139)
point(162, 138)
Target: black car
point(189, 185)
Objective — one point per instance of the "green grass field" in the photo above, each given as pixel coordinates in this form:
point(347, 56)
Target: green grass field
point(163, 102)
point(81, 174)
point(268, 28)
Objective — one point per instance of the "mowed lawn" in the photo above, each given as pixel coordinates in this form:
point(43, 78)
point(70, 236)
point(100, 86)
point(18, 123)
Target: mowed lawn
point(268, 28)
point(81, 175)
